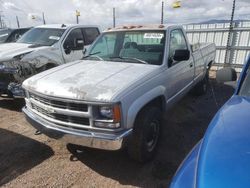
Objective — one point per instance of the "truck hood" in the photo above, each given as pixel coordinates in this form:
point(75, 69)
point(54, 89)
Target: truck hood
point(10, 50)
point(88, 80)
point(224, 159)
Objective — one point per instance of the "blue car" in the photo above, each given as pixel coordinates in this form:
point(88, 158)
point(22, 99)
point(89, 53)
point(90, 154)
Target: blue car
point(222, 158)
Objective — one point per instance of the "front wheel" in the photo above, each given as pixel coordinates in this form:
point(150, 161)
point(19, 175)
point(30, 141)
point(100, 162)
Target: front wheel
point(143, 143)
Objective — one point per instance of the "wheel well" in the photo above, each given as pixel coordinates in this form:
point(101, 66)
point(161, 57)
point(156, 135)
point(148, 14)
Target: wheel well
point(158, 102)
point(209, 65)
point(50, 65)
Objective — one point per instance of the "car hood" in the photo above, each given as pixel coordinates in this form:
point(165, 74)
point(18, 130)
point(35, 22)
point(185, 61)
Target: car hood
point(224, 159)
point(89, 80)
point(10, 50)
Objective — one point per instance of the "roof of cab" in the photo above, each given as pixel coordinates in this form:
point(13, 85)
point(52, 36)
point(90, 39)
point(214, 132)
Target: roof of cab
point(141, 27)
point(64, 26)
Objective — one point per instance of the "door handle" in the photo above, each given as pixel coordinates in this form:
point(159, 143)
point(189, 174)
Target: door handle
point(191, 64)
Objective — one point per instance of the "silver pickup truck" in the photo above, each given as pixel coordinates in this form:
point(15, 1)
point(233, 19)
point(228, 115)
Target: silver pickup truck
point(116, 95)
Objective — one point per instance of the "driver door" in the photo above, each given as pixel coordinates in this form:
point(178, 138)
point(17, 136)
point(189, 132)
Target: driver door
point(180, 73)
point(73, 46)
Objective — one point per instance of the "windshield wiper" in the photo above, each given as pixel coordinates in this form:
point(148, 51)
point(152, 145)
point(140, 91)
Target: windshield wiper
point(92, 55)
point(129, 58)
point(35, 45)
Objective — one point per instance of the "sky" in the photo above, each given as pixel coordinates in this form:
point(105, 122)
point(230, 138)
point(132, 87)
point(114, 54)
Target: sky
point(99, 12)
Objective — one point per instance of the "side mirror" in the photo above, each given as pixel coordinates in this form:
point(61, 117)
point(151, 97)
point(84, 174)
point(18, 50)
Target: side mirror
point(181, 55)
point(227, 74)
point(17, 36)
point(78, 44)
point(84, 51)
point(67, 50)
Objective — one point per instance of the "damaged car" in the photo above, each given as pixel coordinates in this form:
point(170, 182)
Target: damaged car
point(41, 48)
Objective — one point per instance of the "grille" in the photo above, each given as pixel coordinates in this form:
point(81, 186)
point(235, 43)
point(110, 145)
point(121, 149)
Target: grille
point(65, 113)
point(60, 104)
point(61, 117)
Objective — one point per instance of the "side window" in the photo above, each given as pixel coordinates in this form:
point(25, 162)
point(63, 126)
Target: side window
point(15, 35)
point(177, 42)
point(90, 34)
point(74, 40)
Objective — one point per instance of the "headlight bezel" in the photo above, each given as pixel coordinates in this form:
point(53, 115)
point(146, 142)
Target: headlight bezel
point(111, 119)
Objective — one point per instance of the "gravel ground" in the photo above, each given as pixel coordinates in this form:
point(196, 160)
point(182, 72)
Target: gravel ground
point(27, 160)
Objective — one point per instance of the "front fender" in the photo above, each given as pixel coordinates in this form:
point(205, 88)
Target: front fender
point(186, 174)
point(140, 102)
point(41, 57)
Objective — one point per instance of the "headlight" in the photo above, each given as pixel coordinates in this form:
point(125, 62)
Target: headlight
point(111, 112)
point(106, 111)
point(109, 116)
point(27, 95)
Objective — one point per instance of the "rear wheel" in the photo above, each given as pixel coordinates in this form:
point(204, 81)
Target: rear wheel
point(143, 143)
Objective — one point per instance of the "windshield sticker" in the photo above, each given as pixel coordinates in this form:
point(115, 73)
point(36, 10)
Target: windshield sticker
point(153, 35)
point(54, 38)
point(4, 35)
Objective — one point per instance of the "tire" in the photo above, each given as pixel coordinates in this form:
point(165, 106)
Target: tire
point(201, 87)
point(143, 143)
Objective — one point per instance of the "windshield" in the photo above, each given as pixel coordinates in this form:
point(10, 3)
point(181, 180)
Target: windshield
point(245, 88)
point(130, 46)
point(4, 35)
point(42, 36)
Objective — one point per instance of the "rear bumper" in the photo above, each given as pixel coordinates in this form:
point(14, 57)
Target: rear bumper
point(85, 138)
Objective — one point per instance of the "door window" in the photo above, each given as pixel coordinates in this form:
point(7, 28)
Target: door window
point(74, 40)
point(90, 34)
point(177, 42)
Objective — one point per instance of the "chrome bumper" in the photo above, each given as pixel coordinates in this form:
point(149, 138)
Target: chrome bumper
point(85, 138)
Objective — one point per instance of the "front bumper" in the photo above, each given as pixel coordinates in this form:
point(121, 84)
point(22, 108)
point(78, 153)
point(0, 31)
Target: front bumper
point(3, 87)
point(85, 138)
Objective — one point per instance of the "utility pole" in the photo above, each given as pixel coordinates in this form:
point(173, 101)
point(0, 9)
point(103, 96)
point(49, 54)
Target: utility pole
point(230, 34)
point(114, 17)
point(1, 25)
point(162, 11)
point(17, 21)
point(44, 19)
point(77, 16)
point(1, 22)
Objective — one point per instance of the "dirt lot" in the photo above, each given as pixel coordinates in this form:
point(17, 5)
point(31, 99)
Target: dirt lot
point(27, 160)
